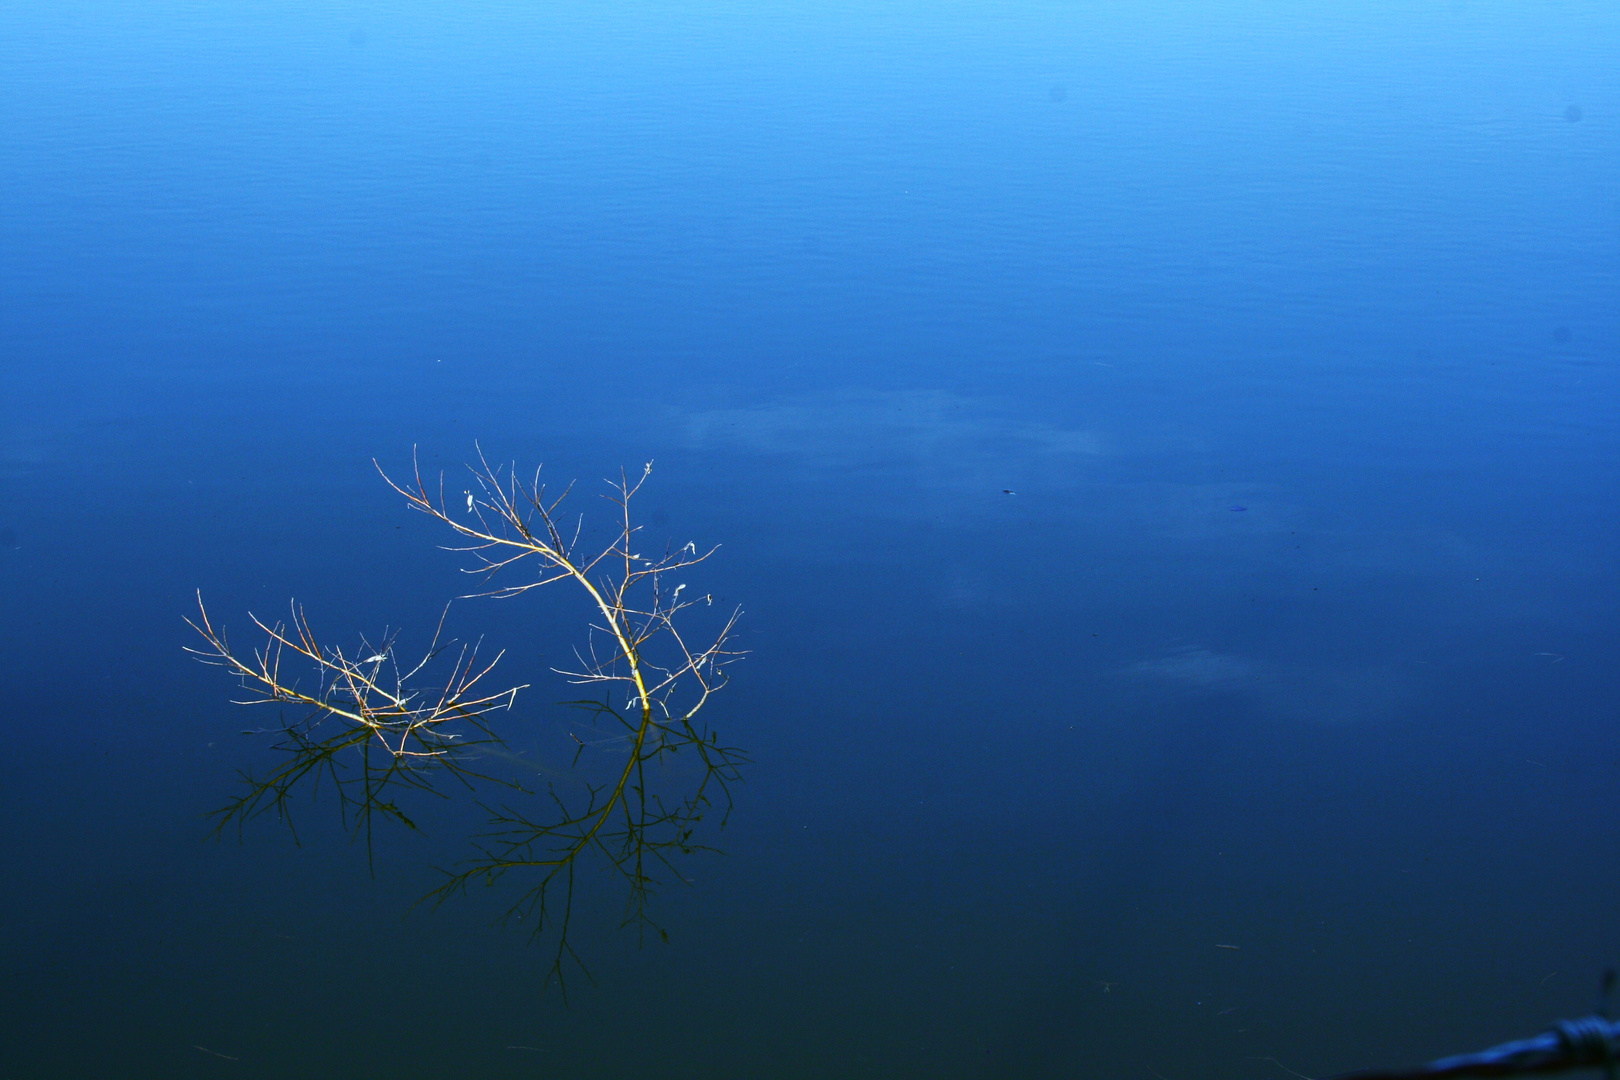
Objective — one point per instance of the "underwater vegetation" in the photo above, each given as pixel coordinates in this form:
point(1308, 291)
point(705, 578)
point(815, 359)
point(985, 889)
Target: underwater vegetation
point(378, 726)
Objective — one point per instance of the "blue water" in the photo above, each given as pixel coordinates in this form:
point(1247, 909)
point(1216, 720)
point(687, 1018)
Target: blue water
point(1026, 764)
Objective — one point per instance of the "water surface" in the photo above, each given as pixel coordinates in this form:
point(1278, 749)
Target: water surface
point(962, 328)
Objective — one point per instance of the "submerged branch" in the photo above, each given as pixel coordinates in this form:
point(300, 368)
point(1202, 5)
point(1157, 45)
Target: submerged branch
point(369, 729)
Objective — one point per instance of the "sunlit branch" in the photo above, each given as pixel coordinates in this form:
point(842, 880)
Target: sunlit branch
point(369, 728)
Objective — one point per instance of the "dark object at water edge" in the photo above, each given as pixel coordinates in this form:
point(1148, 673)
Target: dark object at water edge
point(1588, 1043)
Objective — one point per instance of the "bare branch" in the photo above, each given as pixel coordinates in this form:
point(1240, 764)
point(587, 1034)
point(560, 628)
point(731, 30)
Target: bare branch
point(370, 727)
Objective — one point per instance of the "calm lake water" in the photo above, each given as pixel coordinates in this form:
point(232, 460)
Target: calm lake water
point(1166, 455)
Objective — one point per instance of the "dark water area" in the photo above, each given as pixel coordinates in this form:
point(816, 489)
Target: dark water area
point(1166, 455)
